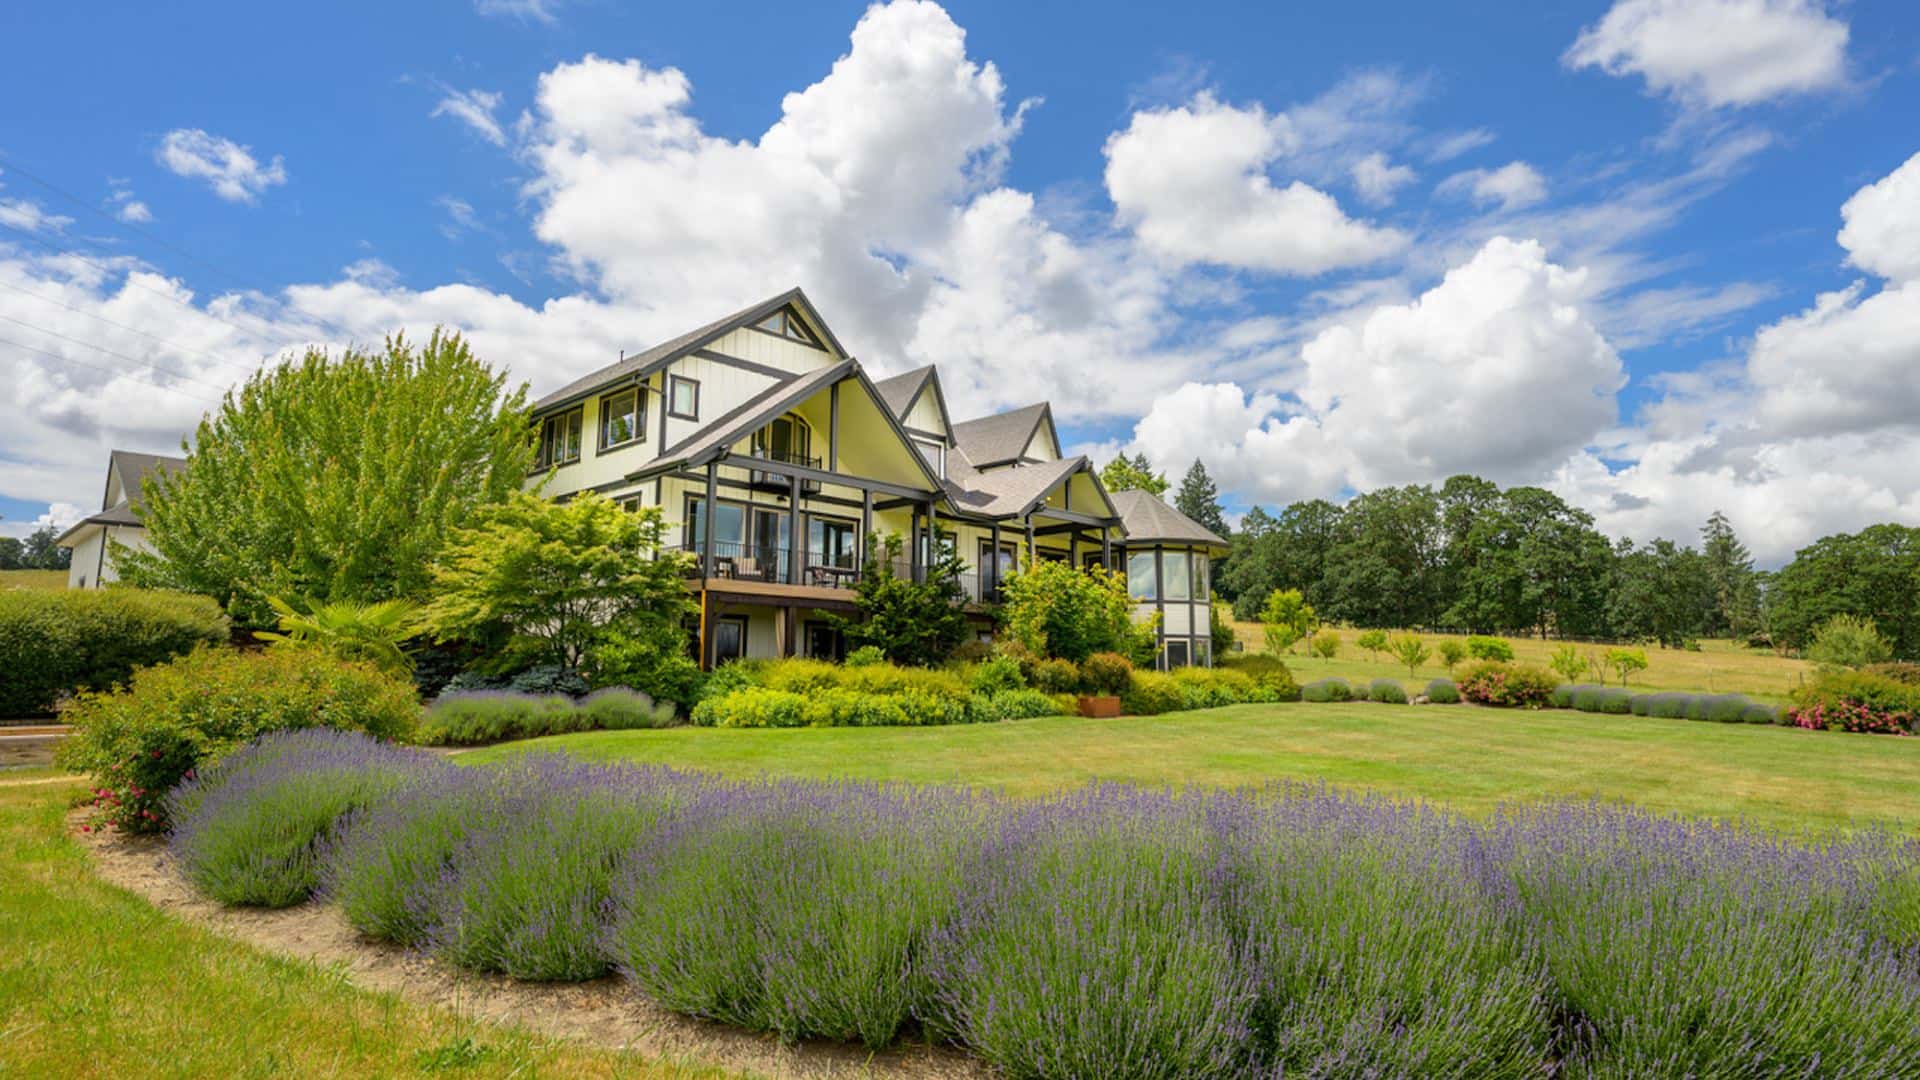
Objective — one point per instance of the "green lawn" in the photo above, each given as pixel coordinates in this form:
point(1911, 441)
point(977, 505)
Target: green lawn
point(1717, 667)
point(96, 982)
point(1463, 756)
point(33, 579)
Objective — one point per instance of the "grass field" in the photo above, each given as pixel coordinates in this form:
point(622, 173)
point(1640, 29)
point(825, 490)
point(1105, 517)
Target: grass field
point(1463, 756)
point(1720, 667)
point(95, 982)
point(33, 579)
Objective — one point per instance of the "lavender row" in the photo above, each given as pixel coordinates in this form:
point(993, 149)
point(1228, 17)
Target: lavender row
point(1114, 932)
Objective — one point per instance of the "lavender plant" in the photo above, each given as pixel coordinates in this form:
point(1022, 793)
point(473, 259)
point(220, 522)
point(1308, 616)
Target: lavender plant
point(252, 829)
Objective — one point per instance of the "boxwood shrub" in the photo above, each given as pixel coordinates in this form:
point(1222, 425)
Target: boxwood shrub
point(64, 641)
point(1327, 690)
point(1387, 690)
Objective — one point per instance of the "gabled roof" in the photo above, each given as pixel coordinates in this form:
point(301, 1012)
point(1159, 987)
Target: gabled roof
point(134, 468)
point(1002, 437)
point(899, 391)
point(1005, 493)
point(1148, 519)
point(641, 364)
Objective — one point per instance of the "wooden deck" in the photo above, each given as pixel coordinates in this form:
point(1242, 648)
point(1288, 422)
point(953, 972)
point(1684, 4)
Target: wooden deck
point(777, 593)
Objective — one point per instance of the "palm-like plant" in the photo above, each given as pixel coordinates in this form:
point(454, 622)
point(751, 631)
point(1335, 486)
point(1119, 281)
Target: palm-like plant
point(373, 633)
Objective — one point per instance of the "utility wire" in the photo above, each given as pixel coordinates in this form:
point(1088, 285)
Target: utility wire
point(108, 370)
point(119, 355)
point(133, 329)
point(13, 166)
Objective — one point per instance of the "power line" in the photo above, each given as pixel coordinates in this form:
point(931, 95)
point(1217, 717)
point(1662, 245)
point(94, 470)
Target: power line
point(120, 355)
point(134, 329)
point(108, 370)
point(236, 279)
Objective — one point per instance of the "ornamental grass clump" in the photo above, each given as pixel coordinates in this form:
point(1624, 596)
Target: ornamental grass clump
point(801, 909)
point(253, 829)
point(1094, 937)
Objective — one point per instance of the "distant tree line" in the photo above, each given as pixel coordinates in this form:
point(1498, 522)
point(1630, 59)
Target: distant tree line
point(1472, 556)
point(37, 552)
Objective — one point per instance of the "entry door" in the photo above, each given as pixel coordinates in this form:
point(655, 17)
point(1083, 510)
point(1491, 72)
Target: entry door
point(729, 640)
point(770, 541)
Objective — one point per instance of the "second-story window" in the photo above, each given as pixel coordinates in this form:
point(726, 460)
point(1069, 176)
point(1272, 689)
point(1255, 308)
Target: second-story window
point(683, 398)
point(787, 439)
point(623, 418)
point(560, 438)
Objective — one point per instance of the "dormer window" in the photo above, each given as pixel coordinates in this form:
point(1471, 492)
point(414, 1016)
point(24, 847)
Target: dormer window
point(560, 438)
point(784, 323)
point(935, 453)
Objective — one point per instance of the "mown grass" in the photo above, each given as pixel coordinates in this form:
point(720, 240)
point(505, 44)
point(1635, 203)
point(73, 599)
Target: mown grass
point(96, 982)
point(33, 579)
point(1469, 758)
point(1720, 667)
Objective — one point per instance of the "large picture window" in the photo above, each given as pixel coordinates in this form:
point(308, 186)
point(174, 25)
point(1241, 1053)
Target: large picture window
point(1202, 577)
point(1140, 575)
point(560, 438)
point(1176, 567)
point(623, 418)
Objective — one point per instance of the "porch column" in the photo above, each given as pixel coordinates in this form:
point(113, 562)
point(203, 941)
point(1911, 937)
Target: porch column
point(793, 532)
point(833, 428)
point(933, 542)
point(791, 616)
point(913, 545)
point(993, 559)
point(706, 528)
point(866, 525)
point(1106, 548)
point(1032, 552)
point(1073, 548)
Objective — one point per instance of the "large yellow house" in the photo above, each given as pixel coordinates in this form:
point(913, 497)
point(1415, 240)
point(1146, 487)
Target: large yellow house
point(774, 455)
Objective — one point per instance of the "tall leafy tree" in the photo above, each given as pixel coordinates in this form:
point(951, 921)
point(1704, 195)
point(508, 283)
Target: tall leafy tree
point(1384, 565)
point(10, 553)
point(1872, 574)
point(39, 552)
point(1660, 592)
point(1133, 474)
point(335, 479)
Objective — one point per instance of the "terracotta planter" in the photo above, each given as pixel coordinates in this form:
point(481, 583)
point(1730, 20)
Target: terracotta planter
point(1101, 707)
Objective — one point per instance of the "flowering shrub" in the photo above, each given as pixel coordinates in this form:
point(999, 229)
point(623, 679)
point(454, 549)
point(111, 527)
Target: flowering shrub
point(1856, 701)
point(188, 713)
point(1513, 686)
point(1119, 932)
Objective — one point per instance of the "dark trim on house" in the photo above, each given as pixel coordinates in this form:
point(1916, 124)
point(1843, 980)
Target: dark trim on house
point(639, 435)
point(673, 383)
point(779, 374)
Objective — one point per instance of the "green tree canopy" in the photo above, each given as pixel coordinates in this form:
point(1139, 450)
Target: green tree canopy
point(1199, 499)
point(543, 582)
point(917, 623)
point(1055, 609)
point(1872, 574)
point(1133, 474)
point(1730, 579)
point(335, 479)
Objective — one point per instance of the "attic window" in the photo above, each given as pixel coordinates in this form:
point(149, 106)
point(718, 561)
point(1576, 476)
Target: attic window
point(784, 323)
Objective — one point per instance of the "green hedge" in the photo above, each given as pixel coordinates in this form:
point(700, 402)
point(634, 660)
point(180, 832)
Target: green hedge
point(172, 718)
point(64, 641)
point(760, 706)
point(1387, 691)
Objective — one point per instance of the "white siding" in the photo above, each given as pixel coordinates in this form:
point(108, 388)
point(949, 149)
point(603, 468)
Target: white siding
point(759, 347)
point(1040, 446)
point(92, 564)
point(722, 389)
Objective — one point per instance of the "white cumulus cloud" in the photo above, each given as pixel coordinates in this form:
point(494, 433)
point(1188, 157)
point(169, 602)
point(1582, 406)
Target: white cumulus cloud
point(227, 167)
point(1718, 53)
point(1512, 186)
point(1194, 182)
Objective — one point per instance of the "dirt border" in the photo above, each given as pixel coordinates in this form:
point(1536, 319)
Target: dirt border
point(606, 1012)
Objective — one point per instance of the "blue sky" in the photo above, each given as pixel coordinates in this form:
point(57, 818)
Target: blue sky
point(1322, 249)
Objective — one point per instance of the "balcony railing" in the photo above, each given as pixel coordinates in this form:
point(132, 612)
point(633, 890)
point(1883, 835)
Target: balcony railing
point(737, 561)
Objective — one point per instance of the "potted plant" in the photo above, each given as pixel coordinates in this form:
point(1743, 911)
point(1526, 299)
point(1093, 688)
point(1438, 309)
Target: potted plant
point(1104, 677)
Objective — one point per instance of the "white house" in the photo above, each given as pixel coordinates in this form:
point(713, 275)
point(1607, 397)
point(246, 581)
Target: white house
point(763, 417)
point(94, 537)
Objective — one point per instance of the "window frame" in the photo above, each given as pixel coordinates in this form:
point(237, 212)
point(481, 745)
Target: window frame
point(1201, 565)
point(674, 383)
point(639, 417)
point(1177, 585)
point(545, 458)
point(938, 449)
point(1152, 594)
